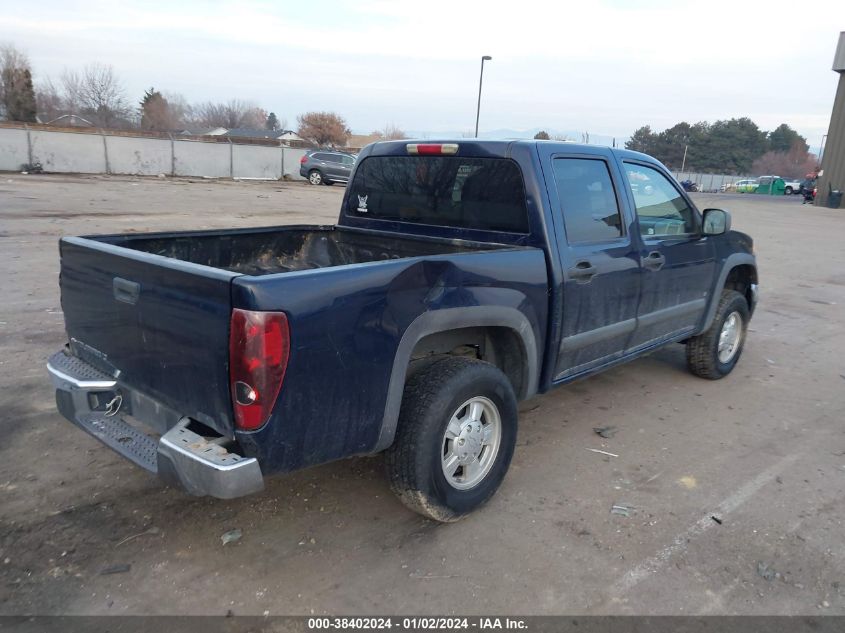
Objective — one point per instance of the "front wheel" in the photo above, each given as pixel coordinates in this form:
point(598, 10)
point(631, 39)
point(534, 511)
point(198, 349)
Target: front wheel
point(714, 353)
point(315, 177)
point(787, 191)
point(455, 439)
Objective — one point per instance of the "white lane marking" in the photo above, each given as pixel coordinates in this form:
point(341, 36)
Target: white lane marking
point(744, 493)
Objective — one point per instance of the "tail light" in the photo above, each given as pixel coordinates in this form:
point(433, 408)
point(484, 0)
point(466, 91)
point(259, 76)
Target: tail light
point(432, 149)
point(259, 347)
point(303, 160)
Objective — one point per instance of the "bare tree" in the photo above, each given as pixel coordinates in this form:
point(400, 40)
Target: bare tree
point(390, 132)
point(795, 163)
point(323, 128)
point(542, 135)
point(17, 96)
point(180, 110)
point(98, 94)
point(49, 101)
point(232, 114)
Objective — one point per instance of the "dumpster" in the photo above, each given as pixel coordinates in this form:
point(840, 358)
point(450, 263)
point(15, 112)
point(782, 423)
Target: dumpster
point(771, 186)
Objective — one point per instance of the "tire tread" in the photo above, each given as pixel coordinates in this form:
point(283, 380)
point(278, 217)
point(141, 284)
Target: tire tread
point(701, 359)
point(402, 458)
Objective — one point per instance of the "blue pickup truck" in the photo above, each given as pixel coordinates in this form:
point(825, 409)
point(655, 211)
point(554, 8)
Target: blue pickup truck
point(461, 278)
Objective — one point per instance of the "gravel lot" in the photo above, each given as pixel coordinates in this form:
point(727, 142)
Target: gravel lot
point(762, 451)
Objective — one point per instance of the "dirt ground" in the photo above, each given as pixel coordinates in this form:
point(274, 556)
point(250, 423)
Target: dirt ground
point(737, 487)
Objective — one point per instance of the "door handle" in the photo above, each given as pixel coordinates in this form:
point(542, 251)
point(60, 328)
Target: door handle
point(582, 271)
point(653, 261)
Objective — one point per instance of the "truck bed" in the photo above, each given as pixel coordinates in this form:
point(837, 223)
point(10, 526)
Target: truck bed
point(155, 308)
point(272, 250)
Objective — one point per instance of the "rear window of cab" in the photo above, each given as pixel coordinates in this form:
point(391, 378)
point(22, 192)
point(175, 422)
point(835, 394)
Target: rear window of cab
point(474, 193)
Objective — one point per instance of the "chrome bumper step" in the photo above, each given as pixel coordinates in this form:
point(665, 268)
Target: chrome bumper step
point(200, 465)
point(117, 434)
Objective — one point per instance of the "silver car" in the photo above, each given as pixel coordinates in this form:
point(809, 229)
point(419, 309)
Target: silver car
point(326, 167)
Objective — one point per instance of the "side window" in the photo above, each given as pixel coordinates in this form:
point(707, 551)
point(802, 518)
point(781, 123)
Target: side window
point(588, 200)
point(333, 158)
point(661, 209)
point(318, 156)
point(348, 161)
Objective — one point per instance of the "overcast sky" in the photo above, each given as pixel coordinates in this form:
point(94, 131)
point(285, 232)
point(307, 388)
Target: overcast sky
point(604, 67)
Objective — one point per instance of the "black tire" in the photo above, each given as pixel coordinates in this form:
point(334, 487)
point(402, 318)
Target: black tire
point(787, 191)
point(414, 461)
point(703, 350)
point(315, 177)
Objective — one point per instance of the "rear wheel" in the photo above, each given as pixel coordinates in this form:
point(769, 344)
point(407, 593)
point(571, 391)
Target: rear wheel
point(787, 191)
point(455, 439)
point(315, 177)
point(715, 353)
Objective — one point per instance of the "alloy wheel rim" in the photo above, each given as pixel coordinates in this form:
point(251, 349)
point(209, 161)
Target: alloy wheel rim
point(471, 443)
point(730, 337)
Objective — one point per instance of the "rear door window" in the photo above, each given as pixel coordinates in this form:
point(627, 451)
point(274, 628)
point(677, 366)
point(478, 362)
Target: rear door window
point(478, 193)
point(588, 200)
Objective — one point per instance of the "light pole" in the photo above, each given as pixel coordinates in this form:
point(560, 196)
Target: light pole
point(485, 58)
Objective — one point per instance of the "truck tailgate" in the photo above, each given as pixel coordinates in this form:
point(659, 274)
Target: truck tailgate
point(162, 323)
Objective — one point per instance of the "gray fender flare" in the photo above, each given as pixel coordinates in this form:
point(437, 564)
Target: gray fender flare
point(451, 319)
point(737, 259)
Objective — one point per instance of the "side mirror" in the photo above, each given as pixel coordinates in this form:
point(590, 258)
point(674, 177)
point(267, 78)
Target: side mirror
point(716, 222)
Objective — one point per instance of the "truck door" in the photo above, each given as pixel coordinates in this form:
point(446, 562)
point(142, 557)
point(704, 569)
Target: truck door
point(600, 261)
point(678, 263)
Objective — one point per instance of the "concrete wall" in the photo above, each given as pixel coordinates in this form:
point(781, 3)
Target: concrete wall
point(68, 152)
point(251, 161)
point(139, 156)
point(14, 151)
point(196, 158)
point(90, 152)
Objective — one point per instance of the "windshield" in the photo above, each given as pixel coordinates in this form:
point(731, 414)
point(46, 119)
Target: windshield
point(476, 193)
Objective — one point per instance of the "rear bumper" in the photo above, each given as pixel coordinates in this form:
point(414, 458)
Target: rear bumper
point(94, 402)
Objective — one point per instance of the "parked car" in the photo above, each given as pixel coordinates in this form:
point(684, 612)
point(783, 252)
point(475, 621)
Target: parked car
point(326, 167)
point(461, 277)
point(742, 186)
point(791, 186)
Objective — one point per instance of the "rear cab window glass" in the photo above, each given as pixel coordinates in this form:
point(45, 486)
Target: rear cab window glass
point(587, 199)
point(661, 209)
point(476, 193)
